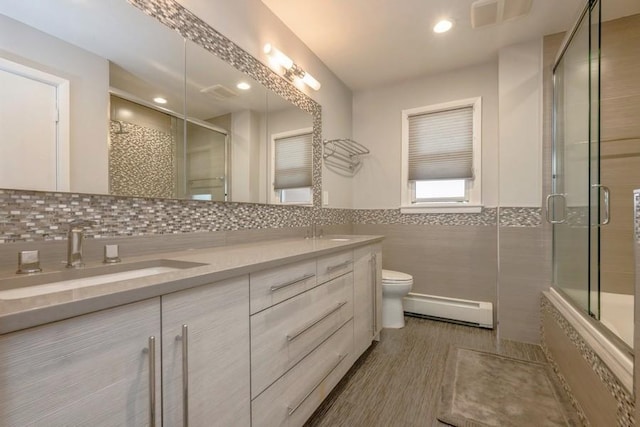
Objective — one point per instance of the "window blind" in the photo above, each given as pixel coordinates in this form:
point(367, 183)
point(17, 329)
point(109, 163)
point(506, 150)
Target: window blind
point(441, 145)
point(292, 162)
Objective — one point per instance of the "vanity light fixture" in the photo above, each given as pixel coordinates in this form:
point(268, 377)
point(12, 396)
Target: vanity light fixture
point(292, 71)
point(159, 100)
point(443, 26)
point(243, 86)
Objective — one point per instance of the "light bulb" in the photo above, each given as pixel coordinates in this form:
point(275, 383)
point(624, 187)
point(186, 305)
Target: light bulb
point(243, 86)
point(310, 81)
point(443, 26)
point(278, 56)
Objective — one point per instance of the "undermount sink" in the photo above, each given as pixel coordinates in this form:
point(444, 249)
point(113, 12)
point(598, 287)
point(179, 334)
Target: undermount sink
point(31, 286)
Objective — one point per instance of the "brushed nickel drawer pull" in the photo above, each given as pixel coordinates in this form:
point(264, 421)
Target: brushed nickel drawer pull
point(185, 374)
point(292, 282)
point(306, 396)
point(337, 266)
point(294, 335)
point(152, 381)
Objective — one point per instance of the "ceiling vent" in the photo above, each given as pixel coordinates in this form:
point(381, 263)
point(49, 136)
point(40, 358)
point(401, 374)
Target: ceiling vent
point(219, 92)
point(491, 12)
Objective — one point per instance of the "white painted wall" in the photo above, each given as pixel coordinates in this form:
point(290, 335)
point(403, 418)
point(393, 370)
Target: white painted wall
point(377, 125)
point(520, 118)
point(250, 24)
point(89, 80)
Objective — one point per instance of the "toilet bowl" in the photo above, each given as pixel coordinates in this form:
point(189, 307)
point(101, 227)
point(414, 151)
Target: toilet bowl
point(395, 286)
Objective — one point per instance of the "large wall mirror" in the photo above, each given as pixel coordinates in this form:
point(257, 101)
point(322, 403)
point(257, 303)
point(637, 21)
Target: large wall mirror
point(98, 97)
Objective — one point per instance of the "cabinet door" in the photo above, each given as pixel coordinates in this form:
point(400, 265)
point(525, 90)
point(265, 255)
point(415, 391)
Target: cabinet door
point(367, 287)
point(376, 250)
point(216, 352)
point(91, 370)
point(363, 308)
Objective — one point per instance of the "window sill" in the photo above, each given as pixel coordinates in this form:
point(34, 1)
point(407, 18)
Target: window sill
point(440, 208)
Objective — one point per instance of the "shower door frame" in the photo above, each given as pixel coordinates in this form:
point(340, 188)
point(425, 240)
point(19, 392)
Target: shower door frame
point(593, 208)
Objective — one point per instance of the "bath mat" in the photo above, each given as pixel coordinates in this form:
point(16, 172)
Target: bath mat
point(487, 389)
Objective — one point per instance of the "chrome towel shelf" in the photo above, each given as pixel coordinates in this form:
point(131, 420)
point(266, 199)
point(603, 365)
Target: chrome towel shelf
point(343, 154)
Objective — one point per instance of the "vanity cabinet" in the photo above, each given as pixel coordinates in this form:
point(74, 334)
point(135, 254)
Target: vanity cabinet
point(91, 370)
point(367, 288)
point(205, 355)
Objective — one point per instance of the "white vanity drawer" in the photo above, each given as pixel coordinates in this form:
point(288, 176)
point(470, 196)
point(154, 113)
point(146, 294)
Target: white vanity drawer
point(269, 287)
point(285, 333)
point(291, 400)
point(334, 265)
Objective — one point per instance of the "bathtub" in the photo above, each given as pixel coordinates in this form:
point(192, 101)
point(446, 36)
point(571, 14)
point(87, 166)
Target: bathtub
point(616, 313)
point(618, 317)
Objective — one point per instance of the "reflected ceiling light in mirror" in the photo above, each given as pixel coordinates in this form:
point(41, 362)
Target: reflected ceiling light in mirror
point(292, 72)
point(243, 86)
point(159, 100)
point(443, 26)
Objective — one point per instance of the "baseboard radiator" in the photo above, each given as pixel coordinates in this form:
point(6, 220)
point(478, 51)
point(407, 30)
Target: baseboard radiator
point(474, 313)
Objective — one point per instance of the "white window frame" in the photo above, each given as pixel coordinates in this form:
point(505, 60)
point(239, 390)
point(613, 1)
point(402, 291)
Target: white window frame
point(473, 204)
point(274, 195)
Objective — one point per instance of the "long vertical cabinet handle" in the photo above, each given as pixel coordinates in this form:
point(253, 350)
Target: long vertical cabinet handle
point(152, 381)
point(374, 290)
point(607, 205)
point(184, 337)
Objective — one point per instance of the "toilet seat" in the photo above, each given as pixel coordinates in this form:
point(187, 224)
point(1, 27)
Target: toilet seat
point(391, 277)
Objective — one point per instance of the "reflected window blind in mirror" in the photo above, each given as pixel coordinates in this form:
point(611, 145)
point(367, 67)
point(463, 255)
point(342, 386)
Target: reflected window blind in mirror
point(293, 161)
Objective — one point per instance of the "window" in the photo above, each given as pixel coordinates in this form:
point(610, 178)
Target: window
point(441, 157)
point(291, 167)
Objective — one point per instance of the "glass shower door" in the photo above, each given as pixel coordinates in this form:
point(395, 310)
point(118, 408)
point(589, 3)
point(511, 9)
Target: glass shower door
point(574, 205)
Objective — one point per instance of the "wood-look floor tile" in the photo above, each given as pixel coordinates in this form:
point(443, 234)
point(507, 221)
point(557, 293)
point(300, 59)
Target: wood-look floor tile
point(397, 381)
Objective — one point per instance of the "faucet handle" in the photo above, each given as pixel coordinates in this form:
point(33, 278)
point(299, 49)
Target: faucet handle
point(111, 255)
point(28, 262)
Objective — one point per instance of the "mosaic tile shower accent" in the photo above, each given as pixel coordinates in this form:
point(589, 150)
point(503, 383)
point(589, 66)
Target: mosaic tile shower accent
point(393, 216)
point(625, 401)
point(520, 217)
point(33, 215)
point(191, 27)
point(141, 161)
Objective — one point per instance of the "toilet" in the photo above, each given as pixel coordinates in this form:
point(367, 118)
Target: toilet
point(395, 286)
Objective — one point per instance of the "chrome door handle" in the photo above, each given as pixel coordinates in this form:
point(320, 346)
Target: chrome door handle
point(293, 409)
point(292, 282)
point(185, 374)
point(607, 204)
point(548, 213)
point(292, 336)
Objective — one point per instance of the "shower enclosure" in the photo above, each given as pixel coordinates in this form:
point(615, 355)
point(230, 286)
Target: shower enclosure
point(592, 235)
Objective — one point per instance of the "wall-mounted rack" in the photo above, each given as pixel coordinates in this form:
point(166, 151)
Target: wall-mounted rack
point(343, 154)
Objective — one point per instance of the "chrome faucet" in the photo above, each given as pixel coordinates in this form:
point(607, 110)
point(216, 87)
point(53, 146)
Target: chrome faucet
point(74, 242)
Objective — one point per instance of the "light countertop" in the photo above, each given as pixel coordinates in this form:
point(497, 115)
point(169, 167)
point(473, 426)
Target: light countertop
point(219, 263)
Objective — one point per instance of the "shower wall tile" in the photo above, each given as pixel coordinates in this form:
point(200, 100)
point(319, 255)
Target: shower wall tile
point(142, 161)
point(520, 217)
point(524, 272)
point(393, 216)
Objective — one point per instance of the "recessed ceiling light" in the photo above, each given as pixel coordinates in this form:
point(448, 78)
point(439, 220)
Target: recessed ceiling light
point(159, 100)
point(443, 26)
point(243, 86)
